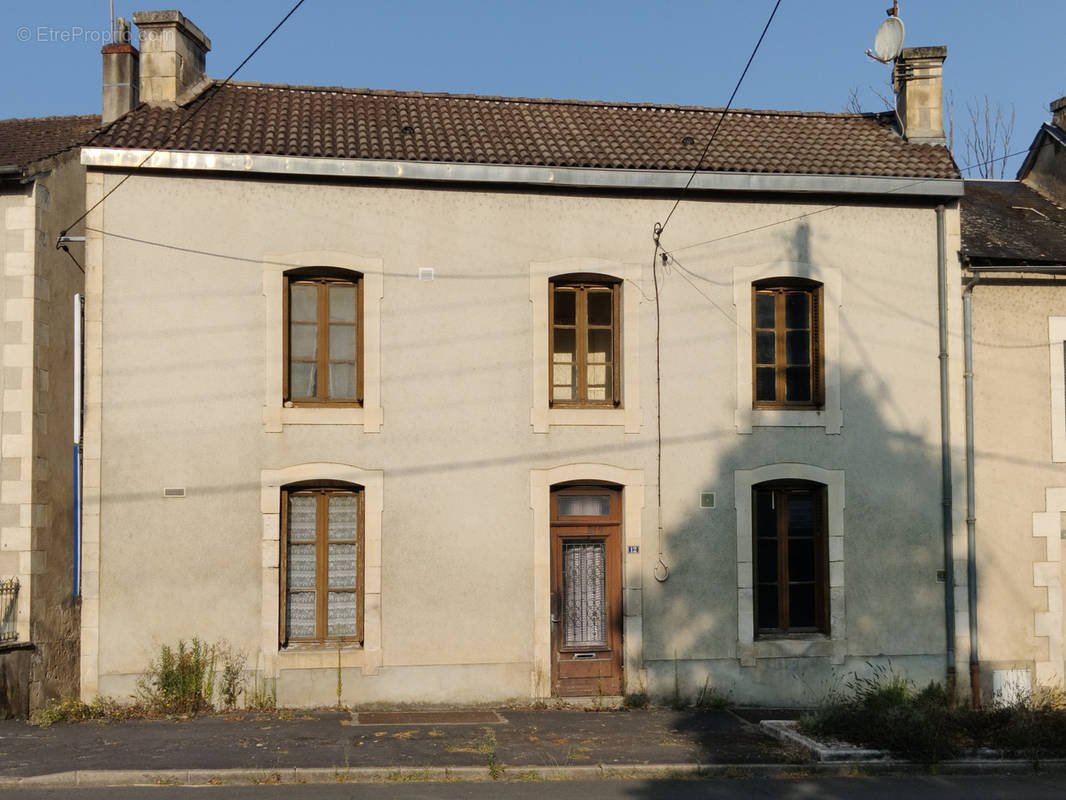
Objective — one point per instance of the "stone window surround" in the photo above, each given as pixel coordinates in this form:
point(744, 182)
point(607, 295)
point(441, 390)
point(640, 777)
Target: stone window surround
point(630, 414)
point(276, 415)
point(632, 483)
point(1056, 336)
point(1047, 573)
point(829, 416)
point(315, 656)
point(833, 646)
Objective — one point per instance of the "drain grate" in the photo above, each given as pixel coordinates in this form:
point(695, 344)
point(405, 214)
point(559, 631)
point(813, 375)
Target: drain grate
point(427, 718)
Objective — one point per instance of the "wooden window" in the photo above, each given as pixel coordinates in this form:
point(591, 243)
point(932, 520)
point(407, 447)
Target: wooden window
point(585, 342)
point(322, 557)
point(787, 348)
point(791, 559)
point(323, 338)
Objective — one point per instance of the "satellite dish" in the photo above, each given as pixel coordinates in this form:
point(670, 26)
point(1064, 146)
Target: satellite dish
point(889, 40)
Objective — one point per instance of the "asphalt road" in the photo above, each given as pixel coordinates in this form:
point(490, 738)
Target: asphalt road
point(1022, 787)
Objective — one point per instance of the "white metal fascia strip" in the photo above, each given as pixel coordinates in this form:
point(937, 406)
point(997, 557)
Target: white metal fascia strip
point(515, 174)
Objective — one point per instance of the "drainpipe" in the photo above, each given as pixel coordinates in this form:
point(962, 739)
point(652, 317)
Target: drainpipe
point(78, 379)
point(945, 449)
point(971, 519)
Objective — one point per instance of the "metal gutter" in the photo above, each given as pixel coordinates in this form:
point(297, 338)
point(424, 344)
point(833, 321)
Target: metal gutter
point(515, 174)
point(945, 449)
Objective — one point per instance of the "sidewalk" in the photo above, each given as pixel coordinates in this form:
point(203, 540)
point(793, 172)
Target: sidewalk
point(332, 745)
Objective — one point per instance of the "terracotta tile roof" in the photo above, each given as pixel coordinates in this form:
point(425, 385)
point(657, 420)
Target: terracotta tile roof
point(23, 141)
point(1009, 222)
point(412, 126)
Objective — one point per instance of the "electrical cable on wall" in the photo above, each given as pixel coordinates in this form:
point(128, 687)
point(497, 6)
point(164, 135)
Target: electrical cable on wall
point(661, 571)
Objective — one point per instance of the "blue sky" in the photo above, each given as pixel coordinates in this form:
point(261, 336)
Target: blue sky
point(683, 52)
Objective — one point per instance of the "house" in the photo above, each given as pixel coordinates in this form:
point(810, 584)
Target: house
point(439, 398)
point(1013, 269)
point(42, 187)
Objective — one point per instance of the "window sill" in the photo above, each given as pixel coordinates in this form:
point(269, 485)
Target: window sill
point(313, 655)
point(791, 418)
point(276, 417)
point(816, 645)
point(543, 418)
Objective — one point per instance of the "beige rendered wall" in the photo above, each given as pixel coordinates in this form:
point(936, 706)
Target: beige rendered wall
point(177, 400)
point(1020, 479)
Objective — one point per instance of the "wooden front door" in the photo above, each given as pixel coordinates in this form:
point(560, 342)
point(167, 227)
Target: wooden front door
point(586, 601)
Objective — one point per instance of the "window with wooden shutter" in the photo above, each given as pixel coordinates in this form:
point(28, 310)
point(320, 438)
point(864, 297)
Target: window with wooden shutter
point(322, 560)
point(788, 362)
point(791, 560)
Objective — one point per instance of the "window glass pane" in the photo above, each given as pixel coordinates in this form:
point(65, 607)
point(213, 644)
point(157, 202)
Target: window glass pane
point(341, 303)
point(765, 383)
point(342, 612)
point(599, 387)
point(599, 305)
point(801, 605)
point(343, 516)
point(301, 518)
point(343, 565)
point(797, 310)
point(798, 384)
point(303, 303)
point(765, 342)
point(581, 505)
point(767, 601)
point(800, 514)
point(565, 346)
point(303, 340)
point(300, 615)
point(764, 310)
point(563, 380)
point(565, 307)
point(766, 569)
point(303, 379)
point(765, 516)
point(342, 342)
point(301, 566)
point(797, 348)
point(584, 596)
point(341, 381)
point(599, 347)
point(801, 559)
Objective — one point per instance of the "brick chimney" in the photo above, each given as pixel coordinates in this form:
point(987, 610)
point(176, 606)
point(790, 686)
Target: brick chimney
point(173, 52)
point(1058, 113)
point(918, 78)
point(120, 73)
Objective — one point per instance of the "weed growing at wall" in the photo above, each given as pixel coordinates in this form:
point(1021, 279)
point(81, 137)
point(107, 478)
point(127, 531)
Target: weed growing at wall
point(884, 710)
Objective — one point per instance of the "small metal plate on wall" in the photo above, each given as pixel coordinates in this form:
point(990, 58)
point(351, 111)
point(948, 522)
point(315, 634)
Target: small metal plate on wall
point(707, 499)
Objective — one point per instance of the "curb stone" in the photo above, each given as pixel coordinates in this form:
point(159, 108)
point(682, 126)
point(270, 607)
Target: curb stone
point(515, 773)
point(786, 731)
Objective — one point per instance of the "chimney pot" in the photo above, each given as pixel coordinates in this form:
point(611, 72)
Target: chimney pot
point(173, 56)
point(121, 80)
point(1058, 112)
point(918, 78)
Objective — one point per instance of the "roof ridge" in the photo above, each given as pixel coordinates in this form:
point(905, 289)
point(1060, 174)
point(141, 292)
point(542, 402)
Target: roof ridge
point(217, 84)
point(53, 117)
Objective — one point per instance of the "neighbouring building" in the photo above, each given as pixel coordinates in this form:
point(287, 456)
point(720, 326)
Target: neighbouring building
point(42, 188)
point(1014, 280)
point(404, 396)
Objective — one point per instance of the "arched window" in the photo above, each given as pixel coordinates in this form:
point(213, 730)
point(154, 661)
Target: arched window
point(323, 337)
point(322, 562)
point(790, 558)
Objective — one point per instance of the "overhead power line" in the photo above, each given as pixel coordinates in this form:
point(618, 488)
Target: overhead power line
point(718, 125)
point(213, 93)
